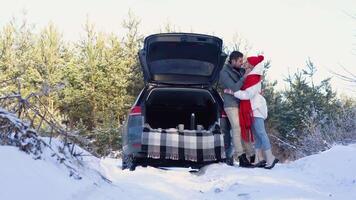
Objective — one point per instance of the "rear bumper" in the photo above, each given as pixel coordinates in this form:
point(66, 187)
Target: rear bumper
point(144, 161)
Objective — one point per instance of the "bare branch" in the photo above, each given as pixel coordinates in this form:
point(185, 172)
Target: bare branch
point(350, 73)
point(349, 77)
point(350, 15)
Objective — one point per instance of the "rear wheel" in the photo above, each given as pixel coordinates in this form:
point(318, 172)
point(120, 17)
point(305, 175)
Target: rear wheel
point(128, 162)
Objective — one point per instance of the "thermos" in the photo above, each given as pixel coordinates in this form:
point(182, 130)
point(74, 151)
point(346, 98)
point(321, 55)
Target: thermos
point(192, 122)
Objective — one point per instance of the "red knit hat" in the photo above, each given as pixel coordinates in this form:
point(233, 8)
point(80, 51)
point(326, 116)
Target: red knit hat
point(254, 60)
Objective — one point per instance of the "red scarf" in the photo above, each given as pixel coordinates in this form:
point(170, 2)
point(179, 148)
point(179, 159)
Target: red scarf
point(245, 112)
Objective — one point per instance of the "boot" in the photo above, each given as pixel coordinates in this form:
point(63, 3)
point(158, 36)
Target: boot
point(259, 161)
point(271, 160)
point(243, 162)
point(260, 164)
point(253, 158)
point(230, 161)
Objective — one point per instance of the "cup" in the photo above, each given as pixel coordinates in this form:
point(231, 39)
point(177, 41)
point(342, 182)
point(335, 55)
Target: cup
point(180, 127)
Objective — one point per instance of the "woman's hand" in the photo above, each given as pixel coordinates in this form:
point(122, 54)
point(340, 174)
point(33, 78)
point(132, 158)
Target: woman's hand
point(228, 91)
point(247, 72)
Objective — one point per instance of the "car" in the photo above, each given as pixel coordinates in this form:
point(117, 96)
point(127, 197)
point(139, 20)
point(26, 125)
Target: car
point(180, 71)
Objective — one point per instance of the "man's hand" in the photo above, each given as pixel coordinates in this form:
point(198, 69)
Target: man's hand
point(228, 91)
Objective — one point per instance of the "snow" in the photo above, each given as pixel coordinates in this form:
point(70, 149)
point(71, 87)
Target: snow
point(25, 178)
point(327, 175)
point(12, 117)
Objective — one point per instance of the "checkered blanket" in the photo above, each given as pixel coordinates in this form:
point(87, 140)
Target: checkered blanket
point(197, 146)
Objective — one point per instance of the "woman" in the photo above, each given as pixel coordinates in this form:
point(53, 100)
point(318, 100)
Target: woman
point(253, 112)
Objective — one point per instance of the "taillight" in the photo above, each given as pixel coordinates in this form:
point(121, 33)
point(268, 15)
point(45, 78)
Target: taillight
point(136, 145)
point(136, 110)
point(223, 114)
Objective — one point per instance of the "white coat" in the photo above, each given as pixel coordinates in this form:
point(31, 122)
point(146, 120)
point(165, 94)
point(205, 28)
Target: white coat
point(253, 93)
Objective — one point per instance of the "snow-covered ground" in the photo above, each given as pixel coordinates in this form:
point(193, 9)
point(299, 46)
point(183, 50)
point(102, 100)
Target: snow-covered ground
point(328, 175)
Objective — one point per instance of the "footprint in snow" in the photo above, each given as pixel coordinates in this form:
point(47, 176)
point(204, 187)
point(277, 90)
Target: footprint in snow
point(244, 196)
point(218, 190)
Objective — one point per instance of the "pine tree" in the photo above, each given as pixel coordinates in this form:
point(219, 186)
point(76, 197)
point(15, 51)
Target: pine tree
point(132, 43)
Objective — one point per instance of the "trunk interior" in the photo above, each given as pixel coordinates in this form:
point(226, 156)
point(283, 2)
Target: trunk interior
point(168, 107)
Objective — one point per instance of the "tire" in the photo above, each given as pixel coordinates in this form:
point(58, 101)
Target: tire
point(128, 162)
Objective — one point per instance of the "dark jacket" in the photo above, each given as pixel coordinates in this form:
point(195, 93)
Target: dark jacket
point(231, 78)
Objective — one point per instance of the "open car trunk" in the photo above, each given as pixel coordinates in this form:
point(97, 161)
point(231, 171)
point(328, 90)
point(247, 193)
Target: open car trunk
point(200, 140)
point(181, 59)
point(168, 107)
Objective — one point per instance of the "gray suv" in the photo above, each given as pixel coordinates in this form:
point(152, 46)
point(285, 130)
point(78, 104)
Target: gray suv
point(180, 73)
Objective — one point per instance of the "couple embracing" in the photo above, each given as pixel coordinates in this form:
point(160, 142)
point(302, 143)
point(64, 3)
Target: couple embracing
point(246, 110)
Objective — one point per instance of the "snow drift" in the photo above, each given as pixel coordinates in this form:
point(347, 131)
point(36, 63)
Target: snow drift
point(328, 175)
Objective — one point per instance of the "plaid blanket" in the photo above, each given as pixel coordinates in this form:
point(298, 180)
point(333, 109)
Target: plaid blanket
point(197, 146)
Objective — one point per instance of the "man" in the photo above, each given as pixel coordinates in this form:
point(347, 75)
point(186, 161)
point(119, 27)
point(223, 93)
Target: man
point(232, 77)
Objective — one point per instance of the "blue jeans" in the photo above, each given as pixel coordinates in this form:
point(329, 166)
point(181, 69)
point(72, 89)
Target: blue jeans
point(260, 135)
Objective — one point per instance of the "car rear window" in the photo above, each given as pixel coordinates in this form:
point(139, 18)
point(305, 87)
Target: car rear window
point(184, 58)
